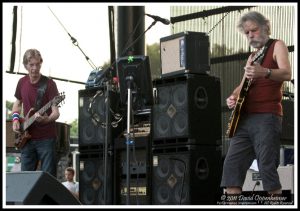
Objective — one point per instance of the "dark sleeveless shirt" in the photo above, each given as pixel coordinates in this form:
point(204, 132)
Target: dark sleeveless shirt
point(264, 95)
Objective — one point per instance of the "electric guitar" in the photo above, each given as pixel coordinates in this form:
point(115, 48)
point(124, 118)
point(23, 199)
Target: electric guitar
point(235, 114)
point(23, 136)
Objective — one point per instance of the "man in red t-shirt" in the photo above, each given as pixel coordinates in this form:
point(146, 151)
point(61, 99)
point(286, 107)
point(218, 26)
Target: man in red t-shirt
point(40, 136)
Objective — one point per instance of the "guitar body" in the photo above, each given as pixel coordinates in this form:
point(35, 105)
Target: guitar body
point(23, 136)
point(21, 139)
point(235, 116)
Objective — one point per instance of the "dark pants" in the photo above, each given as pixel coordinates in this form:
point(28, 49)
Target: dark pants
point(257, 137)
point(39, 150)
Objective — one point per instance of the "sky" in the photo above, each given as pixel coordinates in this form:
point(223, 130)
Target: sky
point(48, 26)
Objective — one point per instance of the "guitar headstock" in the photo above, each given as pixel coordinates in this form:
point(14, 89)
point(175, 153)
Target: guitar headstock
point(58, 99)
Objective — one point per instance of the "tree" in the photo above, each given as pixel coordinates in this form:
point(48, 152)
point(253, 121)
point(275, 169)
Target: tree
point(9, 106)
point(153, 52)
point(74, 128)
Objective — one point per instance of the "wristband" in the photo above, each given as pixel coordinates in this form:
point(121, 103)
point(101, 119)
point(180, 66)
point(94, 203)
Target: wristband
point(15, 116)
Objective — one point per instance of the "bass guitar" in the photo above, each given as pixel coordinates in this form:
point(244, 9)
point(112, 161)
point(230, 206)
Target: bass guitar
point(23, 136)
point(235, 114)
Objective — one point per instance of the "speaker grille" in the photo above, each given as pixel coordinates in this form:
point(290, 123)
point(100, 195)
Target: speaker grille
point(189, 175)
point(92, 119)
point(92, 181)
point(188, 107)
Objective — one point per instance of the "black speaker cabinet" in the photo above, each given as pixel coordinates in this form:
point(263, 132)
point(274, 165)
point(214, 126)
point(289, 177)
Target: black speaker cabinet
point(140, 172)
point(287, 136)
point(185, 52)
point(92, 180)
point(92, 118)
point(36, 188)
point(188, 107)
point(188, 175)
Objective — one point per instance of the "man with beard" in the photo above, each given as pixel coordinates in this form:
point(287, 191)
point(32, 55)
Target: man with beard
point(257, 134)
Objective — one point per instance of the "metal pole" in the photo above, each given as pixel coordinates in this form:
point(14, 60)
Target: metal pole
point(107, 138)
point(128, 137)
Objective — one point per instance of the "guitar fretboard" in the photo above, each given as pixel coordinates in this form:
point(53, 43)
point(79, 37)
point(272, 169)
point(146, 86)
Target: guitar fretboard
point(30, 120)
point(55, 101)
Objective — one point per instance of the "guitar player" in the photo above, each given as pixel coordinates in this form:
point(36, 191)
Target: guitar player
point(257, 134)
point(33, 91)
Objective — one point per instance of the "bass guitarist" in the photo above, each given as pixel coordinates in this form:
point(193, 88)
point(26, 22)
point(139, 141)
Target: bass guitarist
point(257, 134)
point(38, 141)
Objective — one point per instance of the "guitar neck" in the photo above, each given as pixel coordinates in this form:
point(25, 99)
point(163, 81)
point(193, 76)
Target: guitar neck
point(31, 120)
point(245, 87)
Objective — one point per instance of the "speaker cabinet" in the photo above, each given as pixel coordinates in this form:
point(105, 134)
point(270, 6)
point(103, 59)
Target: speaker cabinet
point(185, 52)
point(36, 188)
point(140, 172)
point(287, 136)
point(92, 179)
point(92, 118)
point(188, 107)
point(187, 175)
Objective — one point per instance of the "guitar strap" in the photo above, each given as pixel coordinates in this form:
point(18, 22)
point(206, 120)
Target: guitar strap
point(40, 92)
point(270, 41)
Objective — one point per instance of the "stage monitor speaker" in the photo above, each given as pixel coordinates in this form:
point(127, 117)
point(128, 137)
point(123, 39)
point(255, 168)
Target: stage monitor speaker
point(188, 107)
point(140, 171)
point(187, 175)
point(185, 52)
point(287, 136)
point(92, 179)
point(36, 188)
point(92, 118)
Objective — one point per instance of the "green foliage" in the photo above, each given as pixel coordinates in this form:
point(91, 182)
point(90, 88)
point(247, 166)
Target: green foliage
point(74, 128)
point(9, 106)
point(153, 52)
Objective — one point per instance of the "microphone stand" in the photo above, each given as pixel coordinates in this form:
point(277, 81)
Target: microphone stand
point(129, 81)
point(125, 50)
point(107, 131)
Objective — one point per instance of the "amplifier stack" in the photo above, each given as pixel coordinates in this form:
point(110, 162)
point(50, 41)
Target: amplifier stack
point(186, 124)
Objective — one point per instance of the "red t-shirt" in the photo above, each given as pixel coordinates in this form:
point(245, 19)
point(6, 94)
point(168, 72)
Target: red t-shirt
point(27, 93)
point(264, 95)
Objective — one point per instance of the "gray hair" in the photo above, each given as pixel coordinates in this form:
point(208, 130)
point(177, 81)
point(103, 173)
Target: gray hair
point(256, 17)
point(31, 53)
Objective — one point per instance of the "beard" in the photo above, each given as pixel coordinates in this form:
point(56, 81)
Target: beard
point(259, 42)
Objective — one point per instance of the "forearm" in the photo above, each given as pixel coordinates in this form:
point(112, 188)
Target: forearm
point(17, 107)
point(51, 118)
point(278, 74)
point(54, 114)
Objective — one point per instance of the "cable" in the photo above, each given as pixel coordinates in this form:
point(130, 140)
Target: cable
point(96, 118)
point(74, 41)
point(256, 183)
point(126, 45)
point(217, 23)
